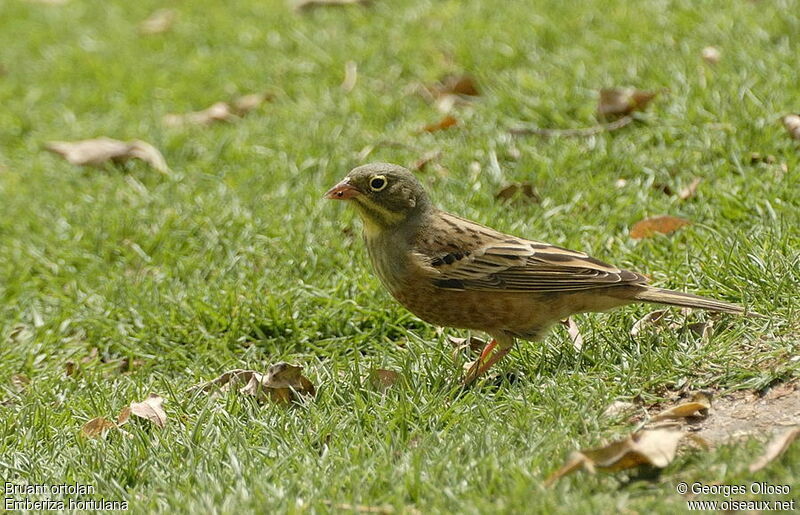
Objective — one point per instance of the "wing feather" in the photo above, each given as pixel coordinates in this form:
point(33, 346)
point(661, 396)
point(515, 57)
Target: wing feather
point(492, 261)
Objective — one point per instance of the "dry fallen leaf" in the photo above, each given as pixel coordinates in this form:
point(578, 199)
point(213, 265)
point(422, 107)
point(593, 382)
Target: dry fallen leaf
point(792, 124)
point(473, 344)
point(756, 157)
point(657, 225)
point(698, 406)
point(20, 381)
point(149, 409)
point(775, 448)
point(218, 112)
point(618, 408)
point(445, 123)
point(303, 5)
point(99, 151)
point(622, 101)
point(382, 379)
point(656, 447)
point(420, 164)
point(282, 383)
point(523, 190)
point(97, 427)
point(350, 76)
point(689, 191)
point(711, 54)
point(463, 85)
point(574, 333)
point(652, 318)
point(159, 22)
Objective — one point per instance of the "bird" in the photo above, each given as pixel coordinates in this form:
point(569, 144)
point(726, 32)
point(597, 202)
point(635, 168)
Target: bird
point(453, 272)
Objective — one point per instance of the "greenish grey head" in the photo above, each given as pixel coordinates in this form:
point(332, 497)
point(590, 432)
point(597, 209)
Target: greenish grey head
point(385, 195)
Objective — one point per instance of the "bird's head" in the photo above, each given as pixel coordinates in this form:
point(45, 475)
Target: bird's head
point(385, 195)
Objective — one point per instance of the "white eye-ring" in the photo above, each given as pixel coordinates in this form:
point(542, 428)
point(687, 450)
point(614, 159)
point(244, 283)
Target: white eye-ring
point(378, 182)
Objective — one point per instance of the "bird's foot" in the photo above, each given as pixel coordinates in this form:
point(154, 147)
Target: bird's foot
point(488, 358)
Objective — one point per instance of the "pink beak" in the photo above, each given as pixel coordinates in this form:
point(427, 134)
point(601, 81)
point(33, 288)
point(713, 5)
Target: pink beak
point(342, 191)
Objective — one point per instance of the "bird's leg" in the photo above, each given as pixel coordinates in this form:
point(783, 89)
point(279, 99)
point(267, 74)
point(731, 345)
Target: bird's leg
point(488, 358)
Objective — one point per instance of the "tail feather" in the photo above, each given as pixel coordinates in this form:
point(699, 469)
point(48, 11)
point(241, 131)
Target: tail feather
point(687, 300)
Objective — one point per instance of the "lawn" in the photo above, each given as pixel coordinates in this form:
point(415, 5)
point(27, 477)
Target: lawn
point(234, 260)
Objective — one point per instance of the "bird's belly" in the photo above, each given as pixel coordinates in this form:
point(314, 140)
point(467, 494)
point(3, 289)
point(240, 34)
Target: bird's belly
point(518, 314)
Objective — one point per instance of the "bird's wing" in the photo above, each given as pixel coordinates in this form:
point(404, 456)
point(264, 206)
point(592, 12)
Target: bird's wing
point(462, 255)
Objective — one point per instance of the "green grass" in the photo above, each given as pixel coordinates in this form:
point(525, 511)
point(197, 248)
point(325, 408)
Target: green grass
point(235, 261)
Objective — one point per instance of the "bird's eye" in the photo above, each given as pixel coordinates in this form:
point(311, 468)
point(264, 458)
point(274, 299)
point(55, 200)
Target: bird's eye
point(377, 183)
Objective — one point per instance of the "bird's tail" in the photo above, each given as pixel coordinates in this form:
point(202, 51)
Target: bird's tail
point(687, 300)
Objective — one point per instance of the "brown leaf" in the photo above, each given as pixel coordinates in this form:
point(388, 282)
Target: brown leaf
point(657, 225)
point(304, 5)
point(523, 190)
point(792, 124)
point(246, 103)
point(475, 345)
point(350, 76)
point(618, 408)
point(458, 85)
point(776, 447)
point(756, 157)
point(689, 191)
point(218, 112)
point(622, 101)
point(282, 383)
point(711, 54)
point(653, 318)
point(698, 406)
point(445, 123)
point(159, 22)
point(421, 163)
point(574, 333)
point(20, 381)
point(663, 188)
point(149, 409)
point(655, 447)
point(382, 379)
point(97, 427)
point(99, 151)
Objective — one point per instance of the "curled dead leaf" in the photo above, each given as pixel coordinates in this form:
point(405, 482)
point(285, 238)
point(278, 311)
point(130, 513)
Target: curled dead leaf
point(616, 102)
point(711, 54)
point(282, 384)
point(159, 22)
point(473, 344)
point(651, 319)
point(97, 152)
point(775, 448)
point(524, 190)
point(792, 124)
point(381, 379)
point(697, 406)
point(218, 112)
point(149, 409)
point(460, 85)
point(445, 123)
point(657, 225)
point(756, 157)
point(99, 426)
point(689, 191)
point(574, 333)
point(350, 76)
point(426, 158)
point(20, 381)
point(655, 447)
point(305, 5)
point(618, 408)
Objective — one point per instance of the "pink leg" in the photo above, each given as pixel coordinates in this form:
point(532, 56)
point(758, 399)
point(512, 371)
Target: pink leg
point(485, 362)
